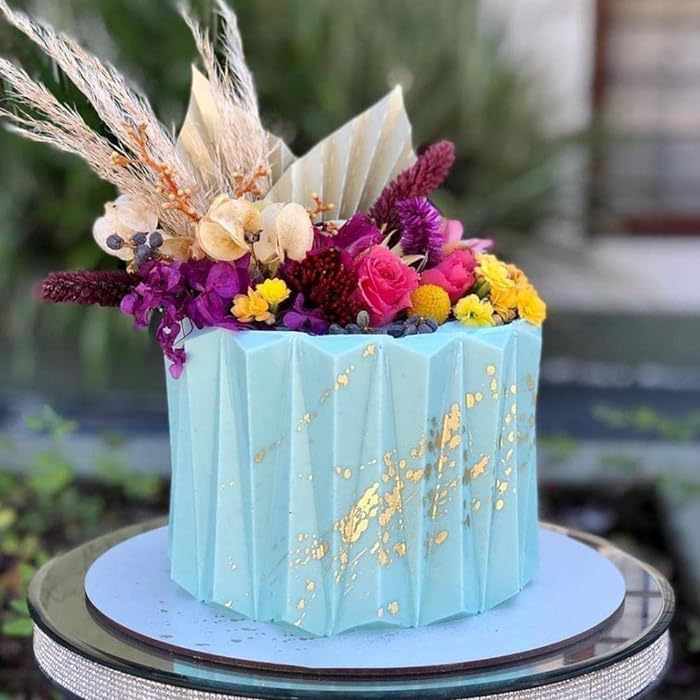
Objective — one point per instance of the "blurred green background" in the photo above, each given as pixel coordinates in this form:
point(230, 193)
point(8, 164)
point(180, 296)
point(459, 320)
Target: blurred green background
point(619, 411)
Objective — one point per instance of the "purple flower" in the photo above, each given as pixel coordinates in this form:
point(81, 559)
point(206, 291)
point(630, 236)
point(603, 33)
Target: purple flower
point(216, 288)
point(421, 228)
point(299, 318)
point(162, 285)
point(162, 289)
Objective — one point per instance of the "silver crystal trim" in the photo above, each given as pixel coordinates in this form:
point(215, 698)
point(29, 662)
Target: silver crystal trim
point(89, 679)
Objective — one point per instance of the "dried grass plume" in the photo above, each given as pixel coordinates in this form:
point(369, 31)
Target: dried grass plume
point(140, 154)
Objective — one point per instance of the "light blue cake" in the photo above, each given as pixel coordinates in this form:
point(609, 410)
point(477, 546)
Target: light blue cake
point(334, 482)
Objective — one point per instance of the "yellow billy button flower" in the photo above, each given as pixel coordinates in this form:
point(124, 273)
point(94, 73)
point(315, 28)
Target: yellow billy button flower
point(430, 301)
point(493, 271)
point(251, 307)
point(472, 311)
point(530, 305)
point(274, 291)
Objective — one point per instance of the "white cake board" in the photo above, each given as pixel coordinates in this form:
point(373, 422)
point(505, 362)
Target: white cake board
point(575, 592)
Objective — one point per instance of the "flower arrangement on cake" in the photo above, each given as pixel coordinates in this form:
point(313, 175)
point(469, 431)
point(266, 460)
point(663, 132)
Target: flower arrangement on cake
point(222, 226)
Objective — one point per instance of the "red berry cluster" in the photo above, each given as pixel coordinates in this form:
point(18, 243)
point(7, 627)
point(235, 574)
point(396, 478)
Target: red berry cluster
point(326, 284)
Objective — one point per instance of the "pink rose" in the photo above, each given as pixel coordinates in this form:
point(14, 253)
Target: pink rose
point(455, 274)
point(384, 284)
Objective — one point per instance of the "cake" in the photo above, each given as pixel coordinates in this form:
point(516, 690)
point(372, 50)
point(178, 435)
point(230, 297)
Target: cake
point(351, 383)
point(391, 481)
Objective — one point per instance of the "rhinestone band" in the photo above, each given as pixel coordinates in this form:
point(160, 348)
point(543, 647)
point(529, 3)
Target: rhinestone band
point(88, 679)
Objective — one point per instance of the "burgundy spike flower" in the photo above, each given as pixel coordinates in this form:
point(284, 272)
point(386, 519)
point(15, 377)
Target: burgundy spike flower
point(424, 176)
point(103, 287)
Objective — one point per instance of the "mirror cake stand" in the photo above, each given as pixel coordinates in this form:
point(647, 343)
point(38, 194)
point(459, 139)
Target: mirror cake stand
point(109, 623)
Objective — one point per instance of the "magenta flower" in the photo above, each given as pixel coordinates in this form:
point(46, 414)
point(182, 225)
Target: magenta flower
point(356, 235)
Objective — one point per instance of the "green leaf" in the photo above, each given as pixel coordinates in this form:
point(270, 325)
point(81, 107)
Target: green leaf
point(26, 571)
point(51, 473)
point(49, 421)
point(18, 627)
point(7, 518)
point(19, 605)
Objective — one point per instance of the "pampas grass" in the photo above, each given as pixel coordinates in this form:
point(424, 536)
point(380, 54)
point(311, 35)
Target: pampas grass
point(140, 146)
point(240, 141)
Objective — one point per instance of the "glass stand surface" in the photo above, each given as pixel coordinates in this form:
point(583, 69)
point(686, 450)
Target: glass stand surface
point(87, 649)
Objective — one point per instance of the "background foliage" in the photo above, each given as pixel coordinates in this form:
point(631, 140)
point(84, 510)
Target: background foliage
point(316, 63)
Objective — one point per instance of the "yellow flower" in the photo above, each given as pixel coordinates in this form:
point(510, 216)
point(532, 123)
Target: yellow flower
point(495, 272)
point(472, 311)
point(530, 305)
point(504, 302)
point(517, 275)
point(273, 291)
point(430, 301)
point(251, 307)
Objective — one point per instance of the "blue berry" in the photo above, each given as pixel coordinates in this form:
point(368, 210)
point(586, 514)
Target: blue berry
point(138, 239)
point(432, 323)
point(353, 328)
point(410, 330)
point(395, 330)
point(425, 328)
point(363, 320)
point(143, 252)
point(155, 240)
point(115, 242)
point(335, 329)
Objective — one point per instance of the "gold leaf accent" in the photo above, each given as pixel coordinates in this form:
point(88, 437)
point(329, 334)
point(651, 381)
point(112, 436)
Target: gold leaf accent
point(441, 537)
point(415, 475)
point(356, 521)
point(479, 468)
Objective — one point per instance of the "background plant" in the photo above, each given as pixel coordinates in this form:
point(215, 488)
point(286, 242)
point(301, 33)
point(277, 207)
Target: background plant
point(45, 509)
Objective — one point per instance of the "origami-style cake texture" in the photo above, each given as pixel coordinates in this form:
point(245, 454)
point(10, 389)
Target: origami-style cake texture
point(351, 380)
point(339, 481)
